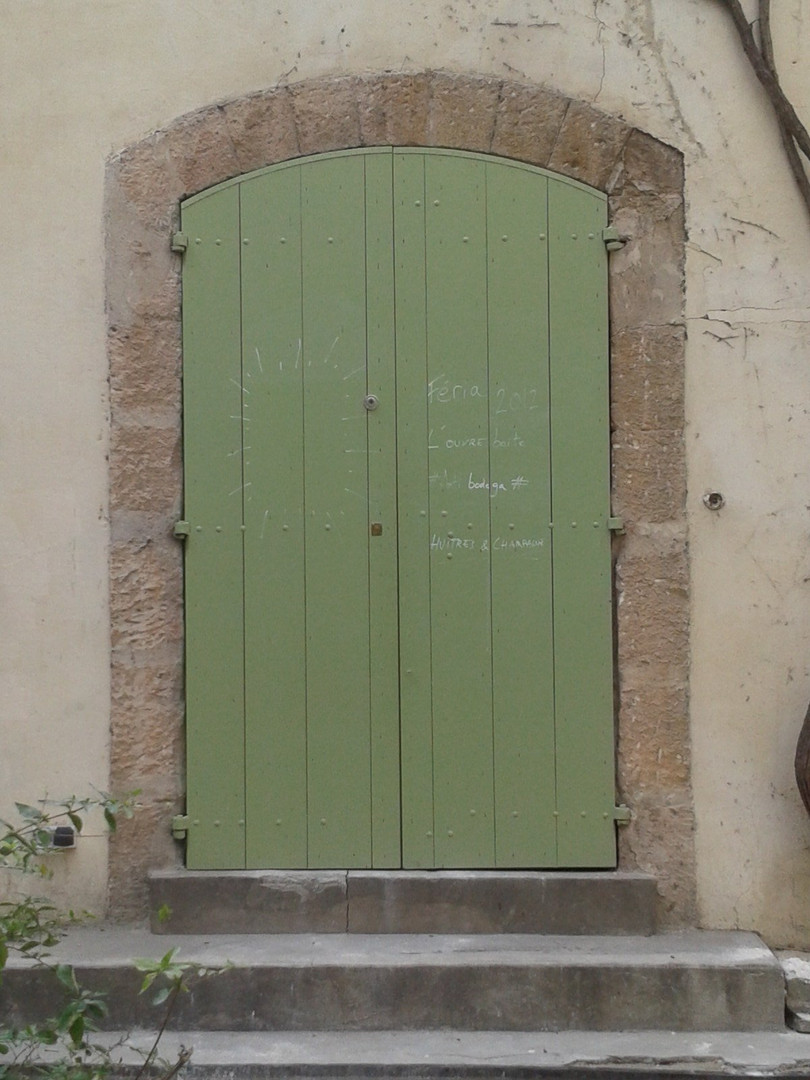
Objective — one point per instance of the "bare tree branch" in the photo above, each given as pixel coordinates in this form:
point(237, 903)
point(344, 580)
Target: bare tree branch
point(793, 155)
point(795, 136)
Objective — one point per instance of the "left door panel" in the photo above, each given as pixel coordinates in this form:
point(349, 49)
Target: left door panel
point(213, 440)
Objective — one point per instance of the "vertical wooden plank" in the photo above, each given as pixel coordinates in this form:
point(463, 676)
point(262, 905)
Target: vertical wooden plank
point(336, 508)
point(581, 501)
point(460, 496)
point(275, 673)
point(212, 439)
point(382, 501)
point(413, 507)
point(522, 639)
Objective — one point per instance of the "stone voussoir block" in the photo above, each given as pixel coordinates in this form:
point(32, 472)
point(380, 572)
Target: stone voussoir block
point(589, 145)
point(327, 115)
point(394, 110)
point(462, 111)
point(203, 150)
point(528, 122)
point(262, 129)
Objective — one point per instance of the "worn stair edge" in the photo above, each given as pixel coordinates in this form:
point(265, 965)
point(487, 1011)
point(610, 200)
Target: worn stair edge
point(679, 982)
point(484, 1054)
point(420, 902)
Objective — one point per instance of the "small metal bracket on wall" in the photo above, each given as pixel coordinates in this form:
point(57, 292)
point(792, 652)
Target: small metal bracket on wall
point(180, 825)
point(622, 815)
point(613, 242)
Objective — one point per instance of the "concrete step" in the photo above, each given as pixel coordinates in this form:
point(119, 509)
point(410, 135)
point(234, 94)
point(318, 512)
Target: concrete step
point(357, 982)
point(402, 902)
point(480, 1055)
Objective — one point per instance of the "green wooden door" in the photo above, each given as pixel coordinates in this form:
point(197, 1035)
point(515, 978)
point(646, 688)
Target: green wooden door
point(398, 627)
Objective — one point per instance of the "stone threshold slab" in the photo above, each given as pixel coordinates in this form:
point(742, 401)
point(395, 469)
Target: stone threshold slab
point(420, 902)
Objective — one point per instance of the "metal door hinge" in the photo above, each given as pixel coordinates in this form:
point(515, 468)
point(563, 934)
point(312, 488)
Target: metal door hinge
point(180, 825)
point(622, 815)
point(181, 529)
point(179, 242)
point(613, 242)
point(616, 525)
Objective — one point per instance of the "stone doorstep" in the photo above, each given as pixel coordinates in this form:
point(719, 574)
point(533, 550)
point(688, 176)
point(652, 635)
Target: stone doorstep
point(353, 982)
point(408, 901)
point(424, 1054)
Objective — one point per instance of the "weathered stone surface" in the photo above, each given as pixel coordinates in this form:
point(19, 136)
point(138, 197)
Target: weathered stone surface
point(147, 743)
point(650, 166)
point(394, 110)
point(146, 593)
point(462, 111)
point(527, 123)
point(589, 145)
point(145, 368)
point(147, 178)
point(145, 462)
point(249, 902)
point(203, 151)
point(661, 835)
point(262, 129)
point(646, 280)
point(653, 613)
point(653, 746)
point(139, 843)
point(327, 115)
point(647, 386)
point(648, 474)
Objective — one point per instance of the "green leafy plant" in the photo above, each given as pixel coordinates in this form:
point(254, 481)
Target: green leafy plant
point(63, 1047)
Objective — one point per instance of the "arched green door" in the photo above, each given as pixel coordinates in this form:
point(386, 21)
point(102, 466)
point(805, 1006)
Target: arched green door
point(398, 605)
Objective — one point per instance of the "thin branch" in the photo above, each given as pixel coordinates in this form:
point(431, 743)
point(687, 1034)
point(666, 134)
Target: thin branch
point(763, 72)
point(795, 135)
point(793, 156)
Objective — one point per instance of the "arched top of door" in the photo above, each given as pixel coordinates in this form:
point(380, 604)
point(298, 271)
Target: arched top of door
point(424, 151)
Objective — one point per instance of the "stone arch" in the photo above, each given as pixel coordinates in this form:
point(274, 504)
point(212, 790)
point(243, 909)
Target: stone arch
point(644, 180)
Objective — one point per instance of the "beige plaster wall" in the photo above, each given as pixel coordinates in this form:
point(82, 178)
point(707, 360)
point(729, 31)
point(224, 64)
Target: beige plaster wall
point(85, 78)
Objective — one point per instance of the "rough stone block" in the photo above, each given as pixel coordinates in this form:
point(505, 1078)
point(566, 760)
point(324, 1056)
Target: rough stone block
point(327, 115)
point(462, 112)
point(145, 465)
point(646, 279)
point(660, 839)
point(394, 110)
point(146, 584)
point(262, 129)
point(649, 484)
point(653, 748)
point(147, 739)
point(137, 845)
point(145, 365)
point(652, 609)
point(589, 145)
point(650, 166)
point(527, 123)
point(647, 379)
point(147, 178)
point(203, 151)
